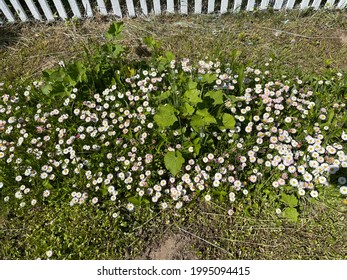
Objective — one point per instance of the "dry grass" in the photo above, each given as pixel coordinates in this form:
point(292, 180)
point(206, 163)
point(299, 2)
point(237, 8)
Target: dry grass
point(299, 41)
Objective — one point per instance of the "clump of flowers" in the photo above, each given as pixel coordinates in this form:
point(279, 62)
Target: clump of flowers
point(169, 134)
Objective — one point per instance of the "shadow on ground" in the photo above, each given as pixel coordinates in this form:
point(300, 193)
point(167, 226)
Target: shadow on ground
point(9, 35)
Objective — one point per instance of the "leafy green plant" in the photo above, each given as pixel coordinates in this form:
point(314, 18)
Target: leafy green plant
point(162, 133)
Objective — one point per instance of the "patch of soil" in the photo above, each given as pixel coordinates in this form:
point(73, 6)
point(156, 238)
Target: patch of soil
point(173, 247)
point(343, 38)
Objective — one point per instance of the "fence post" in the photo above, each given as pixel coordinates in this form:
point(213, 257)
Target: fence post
point(156, 7)
point(19, 10)
point(144, 7)
point(8, 14)
point(198, 6)
point(116, 8)
point(170, 6)
point(87, 8)
point(224, 6)
point(60, 8)
point(342, 4)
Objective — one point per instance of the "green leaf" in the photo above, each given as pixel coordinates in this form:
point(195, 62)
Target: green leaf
point(47, 184)
point(331, 114)
point(197, 145)
point(77, 72)
point(134, 200)
point(173, 162)
point(114, 30)
point(290, 200)
point(117, 50)
point(228, 121)
point(169, 56)
point(217, 96)
point(151, 42)
point(162, 96)
point(202, 118)
point(192, 85)
point(291, 214)
point(193, 96)
point(187, 109)
point(165, 116)
point(209, 78)
point(46, 89)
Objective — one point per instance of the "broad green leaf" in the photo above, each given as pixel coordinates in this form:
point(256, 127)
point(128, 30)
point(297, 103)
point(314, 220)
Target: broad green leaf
point(118, 49)
point(197, 122)
point(291, 214)
point(186, 109)
point(208, 118)
point(208, 78)
point(228, 121)
point(77, 72)
point(169, 56)
point(134, 200)
point(217, 96)
point(192, 85)
point(165, 116)
point(162, 96)
point(173, 162)
point(197, 145)
point(290, 200)
point(151, 42)
point(331, 114)
point(202, 118)
point(114, 30)
point(193, 96)
point(46, 89)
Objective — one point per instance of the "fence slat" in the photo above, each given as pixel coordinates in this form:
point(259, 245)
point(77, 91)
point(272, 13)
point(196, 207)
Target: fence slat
point(156, 7)
point(290, 4)
point(210, 6)
point(116, 8)
point(224, 6)
point(250, 5)
point(316, 4)
point(304, 4)
point(19, 10)
point(278, 4)
point(170, 6)
point(33, 9)
point(264, 4)
point(144, 7)
point(329, 4)
point(184, 7)
point(8, 14)
point(87, 8)
point(60, 8)
point(198, 6)
point(46, 10)
point(130, 7)
point(237, 6)
point(76, 11)
point(341, 4)
point(101, 7)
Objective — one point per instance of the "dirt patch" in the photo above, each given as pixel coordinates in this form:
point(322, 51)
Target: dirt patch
point(343, 38)
point(173, 247)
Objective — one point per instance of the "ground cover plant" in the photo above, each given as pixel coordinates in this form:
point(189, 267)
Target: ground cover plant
point(107, 140)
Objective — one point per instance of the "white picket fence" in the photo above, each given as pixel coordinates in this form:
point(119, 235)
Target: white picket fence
point(51, 10)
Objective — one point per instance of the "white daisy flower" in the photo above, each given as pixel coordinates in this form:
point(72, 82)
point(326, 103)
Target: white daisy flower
point(293, 182)
point(314, 194)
